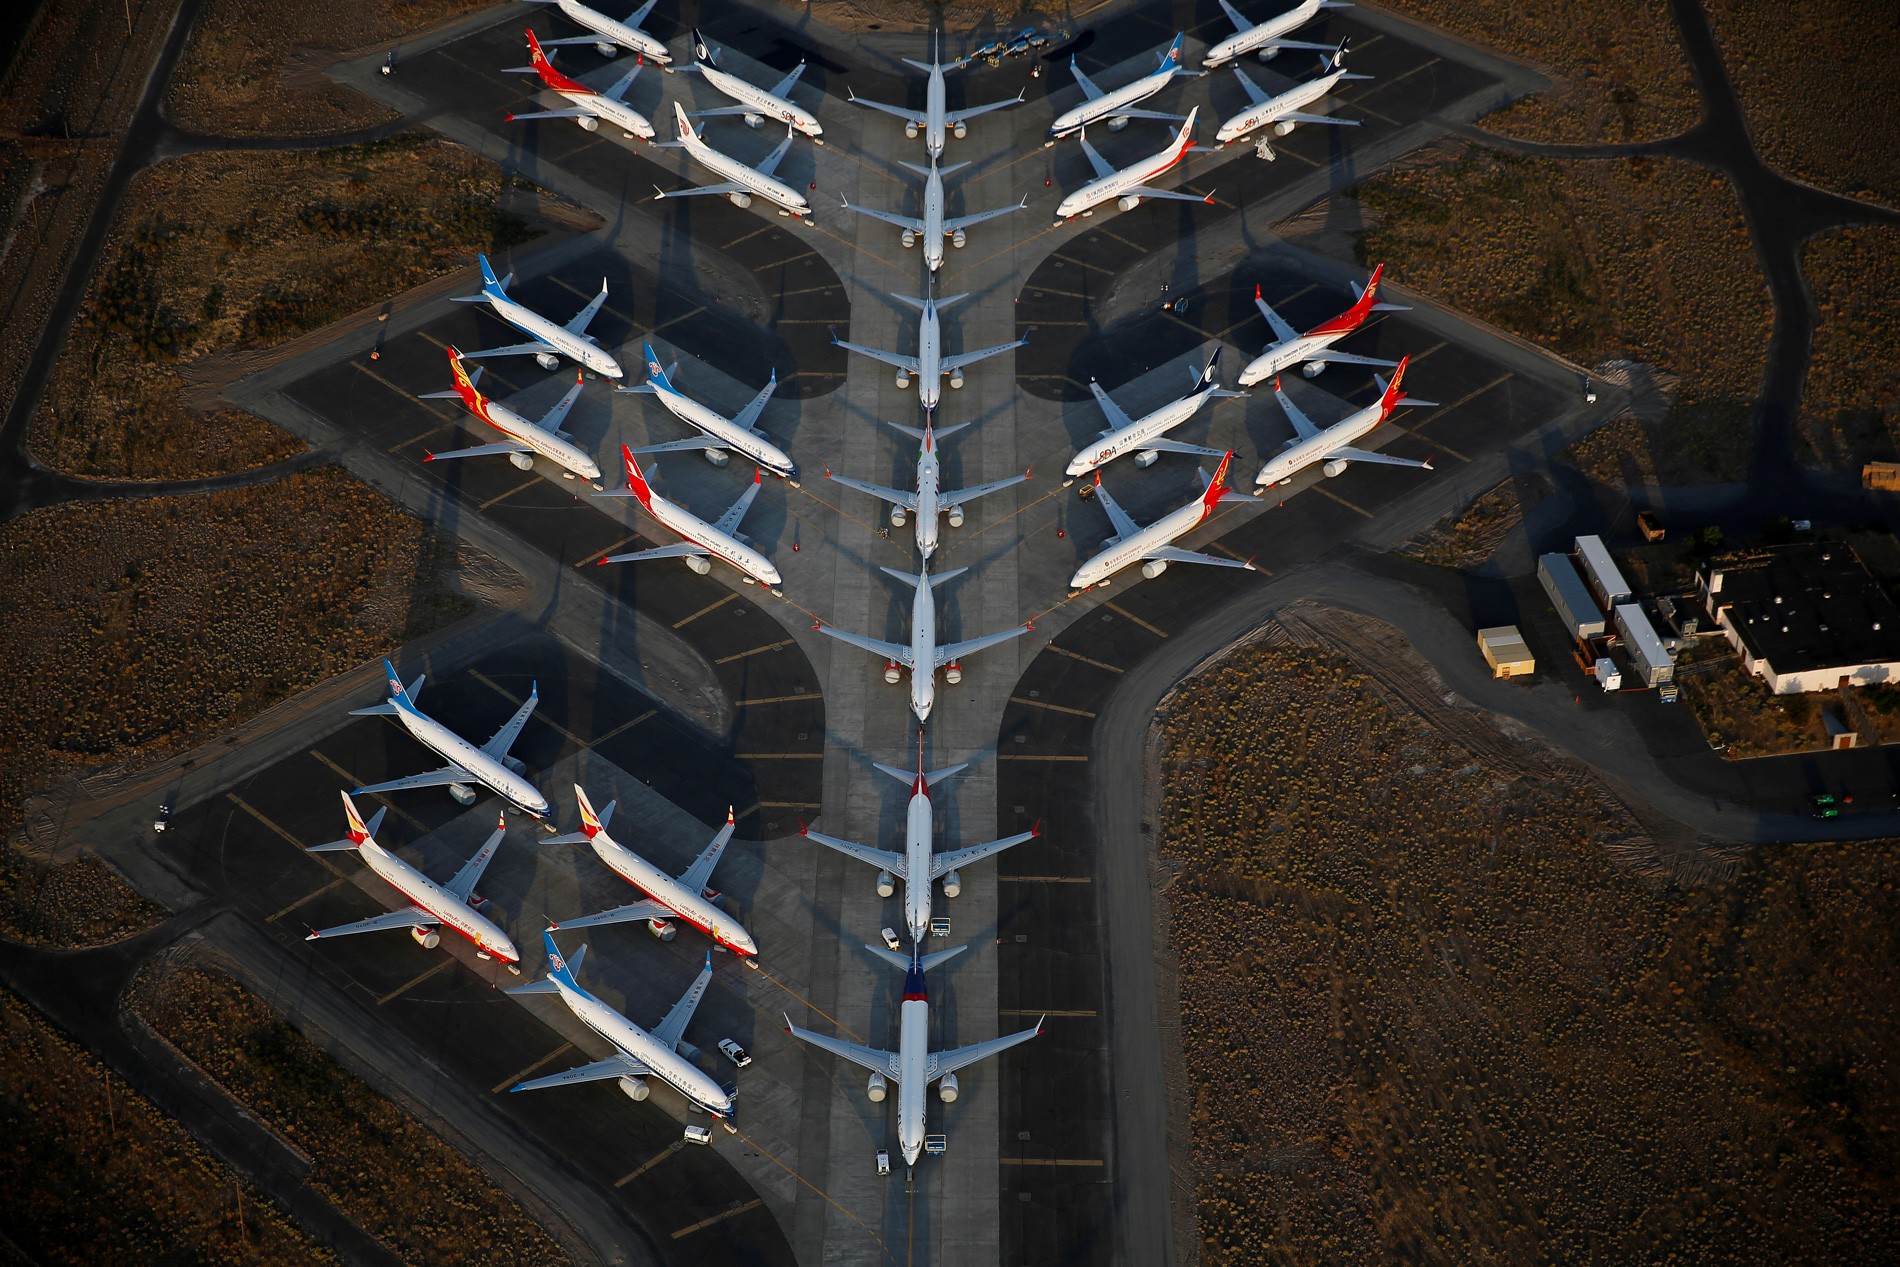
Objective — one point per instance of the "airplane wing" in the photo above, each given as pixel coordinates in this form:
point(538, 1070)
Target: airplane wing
point(962, 359)
point(678, 550)
point(772, 160)
point(697, 876)
point(1343, 358)
point(1101, 165)
point(1182, 446)
point(945, 1062)
point(640, 14)
point(1349, 454)
point(480, 451)
point(964, 222)
point(617, 915)
point(408, 917)
point(1132, 113)
point(619, 90)
point(1307, 45)
point(552, 420)
point(1174, 554)
point(898, 359)
point(578, 326)
point(1087, 85)
point(470, 875)
point(749, 416)
point(892, 495)
point(905, 113)
point(881, 858)
point(673, 1027)
point(1241, 25)
point(1301, 423)
point(913, 223)
point(434, 778)
point(513, 349)
point(884, 1062)
point(1117, 416)
point(970, 646)
point(1282, 332)
point(684, 446)
point(785, 85)
point(503, 739)
point(1298, 116)
point(889, 650)
point(1123, 525)
point(1255, 94)
point(700, 191)
point(1144, 191)
point(729, 522)
point(943, 864)
point(964, 496)
point(618, 1065)
point(964, 116)
point(570, 112)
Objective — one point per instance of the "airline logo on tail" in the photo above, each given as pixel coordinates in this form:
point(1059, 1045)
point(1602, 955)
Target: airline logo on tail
point(1217, 486)
point(702, 52)
point(1173, 56)
point(1390, 401)
point(465, 387)
point(635, 480)
point(550, 76)
point(1350, 319)
point(590, 821)
point(356, 831)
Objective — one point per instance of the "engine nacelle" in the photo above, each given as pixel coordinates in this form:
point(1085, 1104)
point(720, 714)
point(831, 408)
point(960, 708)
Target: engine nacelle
point(899, 516)
point(1110, 541)
point(1147, 458)
point(740, 200)
point(960, 130)
point(1128, 202)
point(1313, 369)
point(1335, 467)
point(1153, 568)
point(605, 49)
point(698, 563)
point(663, 929)
point(461, 794)
point(718, 457)
point(886, 883)
point(947, 1090)
point(903, 379)
point(955, 516)
point(956, 380)
point(755, 121)
point(952, 884)
point(588, 123)
point(958, 238)
point(1268, 53)
point(427, 938)
point(1116, 125)
point(908, 237)
point(521, 461)
point(634, 1088)
point(547, 360)
point(1283, 127)
point(953, 672)
point(515, 764)
point(910, 130)
point(893, 673)
point(876, 1089)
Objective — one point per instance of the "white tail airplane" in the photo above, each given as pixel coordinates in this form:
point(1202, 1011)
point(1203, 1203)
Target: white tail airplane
point(1288, 110)
point(919, 866)
point(489, 766)
point(930, 365)
point(913, 1066)
point(547, 341)
point(932, 227)
point(928, 498)
point(525, 439)
point(704, 541)
point(684, 897)
point(1143, 436)
point(934, 119)
point(742, 183)
point(610, 36)
point(453, 905)
point(1332, 447)
point(589, 107)
point(739, 433)
point(923, 657)
point(1117, 106)
point(1127, 187)
point(1153, 547)
point(1313, 351)
point(638, 1053)
point(756, 104)
point(1266, 37)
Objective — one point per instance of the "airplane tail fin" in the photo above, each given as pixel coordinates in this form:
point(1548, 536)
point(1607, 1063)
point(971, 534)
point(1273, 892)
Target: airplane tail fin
point(593, 824)
point(1216, 487)
point(924, 579)
point(923, 963)
point(655, 372)
point(914, 301)
point(560, 967)
point(1212, 373)
point(636, 481)
point(1173, 56)
point(1393, 397)
point(356, 831)
point(703, 54)
point(491, 284)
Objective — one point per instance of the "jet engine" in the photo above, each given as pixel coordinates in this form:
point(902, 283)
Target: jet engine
point(547, 360)
point(958, 238)
point(910, 129)
point(718, 457)
point(899, 517)
point(755, 121)
point(908, 237)
point(1110, 541)
point(521, 461)
point(875, 1089)
point(953, 672)
point(892, 673)
point(886, 883)
point(955, 515)
point(956, 380)
point(605, 49)
point(427, 938)
point(903, 379)
point(662, 928)
point(461, 794)
point(947, 1089)
point(740, 200)
point(698, 563)
point(1128, 202)
point(1147, 458)
point(1153, 568)
point(960, 130)
point(588, 123)
point(515, 764)
point(952, 884)
point(1284, 126)
point(1336, 466)
point(635, 1088)
point(1116, 125)
point(1313, 369)
point(1268, 53)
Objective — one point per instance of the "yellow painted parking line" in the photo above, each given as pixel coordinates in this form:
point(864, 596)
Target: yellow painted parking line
point(715, 605)
point(1050, 290)
point(649, 1163)
point(1054, 708)
point(353, 781)
point(417, 980)
point(1324, 491)
point(305, 898)
point(1045, 879)
point(1123, 611)
point(829, 1200)
point(511, 1079)
point(733, 1213)
point(625, 726)
point(426, 337)
point(1470, 396)
point(684, 316)
point(517, 701)
point(400, 445)
point(745, 237)
point(530, 482)
point(1074, 655)
point(813, 806)
point(597, 555)
point(1068, 259)
point(1079, 1013)
point(833, 1021)
point(779, 756)
point(296, 844)
point(1030, 756)
point(770, 646)
point(420, 403)
point(776, 699)
point(1053, 1161)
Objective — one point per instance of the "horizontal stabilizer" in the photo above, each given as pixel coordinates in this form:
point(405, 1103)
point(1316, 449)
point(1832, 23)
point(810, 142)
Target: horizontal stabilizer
point(898, 959)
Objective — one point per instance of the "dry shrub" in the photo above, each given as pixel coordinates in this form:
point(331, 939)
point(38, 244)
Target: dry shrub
point(70, 905)
point(1850, 413)
point(1468, 539)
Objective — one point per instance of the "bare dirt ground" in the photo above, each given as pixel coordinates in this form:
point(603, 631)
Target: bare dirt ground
point(1850, 413)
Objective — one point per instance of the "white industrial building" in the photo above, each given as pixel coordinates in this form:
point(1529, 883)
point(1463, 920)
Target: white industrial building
point(1805, 617)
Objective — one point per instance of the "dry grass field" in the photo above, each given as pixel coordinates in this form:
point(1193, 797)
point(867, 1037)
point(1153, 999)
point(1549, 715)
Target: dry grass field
point(68, 905)
point(94, 1173)
point(1595, 261)
point(1427, 1019)
point(256, 68)
point(1850, 413)
point(1738, 712)
point(1469, 539)
point(390, 1175)
point(1617, 71)
point(217, 254)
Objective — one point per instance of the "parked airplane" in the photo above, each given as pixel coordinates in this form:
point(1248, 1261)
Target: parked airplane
point(547, 341)
point(930, 365)
point(742, 183)
point(1153, 547)
point(1117, 106)
point(923, 657)
point(739, 433)
point(928, 498)
point(1129, 186)
point(589, 106)
point(668, 898)
point(525, 439)
point(913, 1066)
point(704, 541)
point(932, 226)
point(1313, 351)
point(638, 1053)
point(1286, 111)
point(1266, 37)
point(1143, 437)
point(934, 119)
point(489, 765)
point(756, 104)
point(1332, 447)
point(453, 905)
point(918, 866)
point(610, 36)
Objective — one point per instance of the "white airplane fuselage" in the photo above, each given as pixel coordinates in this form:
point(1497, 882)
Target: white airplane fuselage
point(668, 1065)
point(934, 113)
point(1241, 43)
point(613, 32)
point(1166, 530)
point(752, 180)
point(618, 113)
point(562, 453)
point(917, 836)
point(1136, 434)
point(1296, 98)
point(458, 751)
point(572, 346)
point(1295, 351)
point(1104, 107)
point(930, 355)
point(454, 913)
point(1114, 185)
point(722, 545)
point(763, 103)
point(913, 1055)
point(929, 482)
point(1300, 454)
point(933, 219)
point(923, 653)
point(676, 897)
point(717, 425)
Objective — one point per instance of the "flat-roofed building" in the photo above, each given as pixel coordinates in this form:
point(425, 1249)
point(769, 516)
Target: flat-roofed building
point(1650, 658)
point(1805, 617)
point(1601, 573)
point(1505, 650)
point(1570, 596)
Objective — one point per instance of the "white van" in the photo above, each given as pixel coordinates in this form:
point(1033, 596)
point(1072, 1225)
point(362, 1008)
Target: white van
point(698, 1135)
